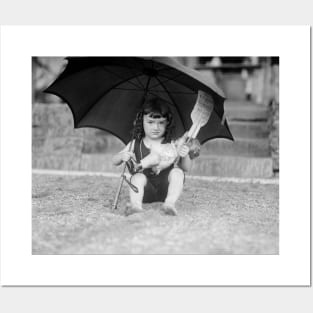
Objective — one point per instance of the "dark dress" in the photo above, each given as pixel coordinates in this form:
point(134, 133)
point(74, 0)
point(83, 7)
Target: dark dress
point(157, 185)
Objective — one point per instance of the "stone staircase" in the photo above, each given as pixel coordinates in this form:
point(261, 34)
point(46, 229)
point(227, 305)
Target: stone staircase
point(56, 145)
point(249, 154)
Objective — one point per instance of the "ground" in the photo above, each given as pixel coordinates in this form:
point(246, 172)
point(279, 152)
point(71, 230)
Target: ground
point(72, 215)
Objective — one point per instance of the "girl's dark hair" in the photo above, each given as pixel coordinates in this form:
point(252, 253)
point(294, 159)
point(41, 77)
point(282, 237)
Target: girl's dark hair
point(157, 108)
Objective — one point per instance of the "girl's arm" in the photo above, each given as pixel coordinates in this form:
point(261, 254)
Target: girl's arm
point(188, 152)
point(122, 156)
point(185, 163)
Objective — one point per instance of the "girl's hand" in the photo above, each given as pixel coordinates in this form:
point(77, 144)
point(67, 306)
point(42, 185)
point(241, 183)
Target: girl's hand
point(183, 150)
point(180, 141)
point(194, 147)
point(125, 156)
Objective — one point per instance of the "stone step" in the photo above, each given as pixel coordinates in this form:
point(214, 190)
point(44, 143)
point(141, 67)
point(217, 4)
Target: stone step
point(245, 147)
point(233, 86)
point(245, 111)
point(258, 147)
point(229, 166)
point(240, 103)
point(249, 129)
point(213, 165)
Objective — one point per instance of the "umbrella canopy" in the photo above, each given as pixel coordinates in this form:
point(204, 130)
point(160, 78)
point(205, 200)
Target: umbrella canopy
point(107, 93)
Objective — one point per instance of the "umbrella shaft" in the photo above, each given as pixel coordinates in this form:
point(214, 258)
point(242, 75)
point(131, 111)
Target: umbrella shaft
point(114, 206)
point(178, 158)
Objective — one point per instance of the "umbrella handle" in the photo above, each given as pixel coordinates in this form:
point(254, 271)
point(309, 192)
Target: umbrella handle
point(192, 134)
point(114, 205)
point(178, 158)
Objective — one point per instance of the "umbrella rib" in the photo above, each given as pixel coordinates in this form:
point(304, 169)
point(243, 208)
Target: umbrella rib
point(157, 96)
point(202, 84)
point(139, 82)
point(186, 86)
point(175, 92)
point(147, 86)
point(134, 76)
point(128, 89)
point(105, 92)
point(181, 118)
point(153, 62)
point(167, 79)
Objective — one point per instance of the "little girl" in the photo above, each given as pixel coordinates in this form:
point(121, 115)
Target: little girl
point(153, 128)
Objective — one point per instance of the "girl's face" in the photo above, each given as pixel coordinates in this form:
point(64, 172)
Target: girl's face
point(154, 128)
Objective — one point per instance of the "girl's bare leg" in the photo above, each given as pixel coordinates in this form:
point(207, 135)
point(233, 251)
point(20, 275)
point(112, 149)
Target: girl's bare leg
point(139, 180)
point(175, 187)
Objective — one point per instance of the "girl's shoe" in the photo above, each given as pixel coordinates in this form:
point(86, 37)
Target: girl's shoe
point(132, 209)
point(169, 209)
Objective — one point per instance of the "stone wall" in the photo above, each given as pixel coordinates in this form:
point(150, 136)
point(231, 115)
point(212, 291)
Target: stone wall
point(57, 145)
point(274, 118)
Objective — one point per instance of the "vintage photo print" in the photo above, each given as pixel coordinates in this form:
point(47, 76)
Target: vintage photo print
point(197, 137)
point(140, 157)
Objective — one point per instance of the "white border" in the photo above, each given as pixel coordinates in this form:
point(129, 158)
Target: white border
point(19, 267)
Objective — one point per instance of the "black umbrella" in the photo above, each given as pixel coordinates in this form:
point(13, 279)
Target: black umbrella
point(107, 93)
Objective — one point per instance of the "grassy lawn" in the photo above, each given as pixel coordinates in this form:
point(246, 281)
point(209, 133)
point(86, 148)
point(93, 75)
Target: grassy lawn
point(72, 215)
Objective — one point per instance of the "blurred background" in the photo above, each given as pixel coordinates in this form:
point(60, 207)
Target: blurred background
point(251, 85)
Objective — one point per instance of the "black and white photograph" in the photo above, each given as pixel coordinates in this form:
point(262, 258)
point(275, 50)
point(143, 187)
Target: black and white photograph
point(150, 159)
point(155, 155)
